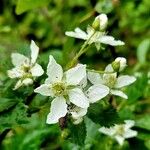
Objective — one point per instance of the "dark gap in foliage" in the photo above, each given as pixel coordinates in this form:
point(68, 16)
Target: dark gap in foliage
point(18, 18)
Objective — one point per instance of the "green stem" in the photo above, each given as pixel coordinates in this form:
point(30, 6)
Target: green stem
point(99, 71)
point(81, 51)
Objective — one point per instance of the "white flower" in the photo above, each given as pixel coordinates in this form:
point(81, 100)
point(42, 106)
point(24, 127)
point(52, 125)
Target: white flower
point(77, 113)
point(95, 36)
point(26, 69)
point(111, 80)
point(120, 132)
point(65, 89)
point(100, 22)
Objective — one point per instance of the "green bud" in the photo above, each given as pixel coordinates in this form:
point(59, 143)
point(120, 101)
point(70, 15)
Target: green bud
point(116, 66)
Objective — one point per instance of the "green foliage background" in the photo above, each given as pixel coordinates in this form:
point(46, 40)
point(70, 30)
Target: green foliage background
point(23, 114)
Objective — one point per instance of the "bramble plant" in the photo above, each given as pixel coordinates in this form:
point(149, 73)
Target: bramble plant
point(49, 104)
point(68, 88)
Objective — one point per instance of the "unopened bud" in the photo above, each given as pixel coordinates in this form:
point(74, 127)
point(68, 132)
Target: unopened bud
point(119, 64)
point(100, 22)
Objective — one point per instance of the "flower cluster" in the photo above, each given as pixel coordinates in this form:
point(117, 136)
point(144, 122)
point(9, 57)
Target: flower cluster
point(75, 89)
point(120, 132)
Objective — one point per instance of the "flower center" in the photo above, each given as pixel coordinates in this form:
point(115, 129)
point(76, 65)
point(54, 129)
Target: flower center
point(26, 73)
point(110, 80)
point(120, 130)
point(59, 89)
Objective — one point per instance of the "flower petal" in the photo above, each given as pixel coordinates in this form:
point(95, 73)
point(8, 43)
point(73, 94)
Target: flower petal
point(105, 39)
point(108, 131)
point(119, 93)
point(18, 59)
point(75, 75)
point(109, 68)
point(124, 81)
point(37, 70)
point(18, 85)
point(97, 92)
point(58, 109)
point(27, 81)
point(80, 34)
point(130, 133)
point(95, 78)
point(80, 112)
point(77, 97)
point(45, 90)
point(54, 70)
point(119, 139)
point(15, 73)
point(34, 51)
point(129, 123)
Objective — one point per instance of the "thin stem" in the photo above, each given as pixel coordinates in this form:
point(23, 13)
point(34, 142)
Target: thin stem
point(99, 71)
point(81, 51)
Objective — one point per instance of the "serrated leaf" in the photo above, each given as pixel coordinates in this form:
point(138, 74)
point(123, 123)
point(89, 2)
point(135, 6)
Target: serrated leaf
point(104, 116)
point(25, 5)
point(77, 133)
point(6, 104)
point(15, 116)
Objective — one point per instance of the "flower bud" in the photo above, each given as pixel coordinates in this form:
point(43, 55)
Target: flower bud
point(119, 64)
point(100, 22)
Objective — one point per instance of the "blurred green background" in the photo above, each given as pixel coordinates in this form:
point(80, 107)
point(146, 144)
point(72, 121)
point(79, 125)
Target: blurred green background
point(45, 22)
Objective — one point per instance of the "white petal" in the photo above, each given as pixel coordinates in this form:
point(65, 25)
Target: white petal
point(129, 123)
point(15, 73)
point(54, 70)
point(58, 109)
point(80, 112)
point(119, 93)
point(83, 82)
point(110, 40)
point(37, 70)
point(90, 30)
point(45, 90)
point(19, 59)
point(124, 81)
point(95, 78)
point(34, 51)
point(97, 92)
point(77, 121)
point(119, 139)
point(18, 85)
point(109, 68)
point(80, 34)
point(108, 131)
point(27, 81)
point(77, 97)
point(75, 75)
point(130, 133)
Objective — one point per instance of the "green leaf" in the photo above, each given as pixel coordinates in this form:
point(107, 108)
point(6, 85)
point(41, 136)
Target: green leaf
point(57, 54)
point(107, 116)
point(77, 133)
point(144, 122)
point(25, 5)
point(15, 116)
point(143, 50)
point(6, 104)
